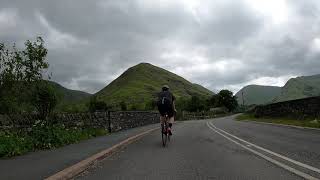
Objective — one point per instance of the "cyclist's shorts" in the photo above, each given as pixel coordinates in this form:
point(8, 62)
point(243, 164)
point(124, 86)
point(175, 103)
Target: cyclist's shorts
point(162, 119)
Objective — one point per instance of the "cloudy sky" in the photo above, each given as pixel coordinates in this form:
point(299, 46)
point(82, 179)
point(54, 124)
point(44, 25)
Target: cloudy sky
point(218, 44)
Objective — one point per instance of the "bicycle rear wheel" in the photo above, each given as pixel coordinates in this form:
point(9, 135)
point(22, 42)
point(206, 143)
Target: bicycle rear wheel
point(164, 135)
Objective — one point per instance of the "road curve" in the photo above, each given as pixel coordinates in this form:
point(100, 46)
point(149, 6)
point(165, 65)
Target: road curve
point(200, 151)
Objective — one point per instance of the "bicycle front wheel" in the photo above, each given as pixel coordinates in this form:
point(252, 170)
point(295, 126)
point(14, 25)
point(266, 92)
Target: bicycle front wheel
point(164, 137)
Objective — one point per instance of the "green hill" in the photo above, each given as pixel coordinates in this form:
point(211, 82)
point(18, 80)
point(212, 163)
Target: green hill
point(68, 94)
point(256, 94)
point(70, 100)
point(300, 87)
point(140, 84)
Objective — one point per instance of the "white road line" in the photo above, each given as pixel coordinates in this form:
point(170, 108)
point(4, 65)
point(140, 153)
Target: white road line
point(271, 152)
point(295, 171)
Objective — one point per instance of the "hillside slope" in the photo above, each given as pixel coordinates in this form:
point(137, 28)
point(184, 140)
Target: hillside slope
point(256, 94)
point(300, 87)
point(68, 94)
point(141, 83)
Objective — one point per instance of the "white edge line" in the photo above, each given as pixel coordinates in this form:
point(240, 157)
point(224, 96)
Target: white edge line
point(271, 152)
point(295, 171)
point(282, 125)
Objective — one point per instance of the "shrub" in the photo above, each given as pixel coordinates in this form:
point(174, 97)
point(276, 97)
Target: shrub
point(43, 136)
point(13, 144)
point(44, 99)
point(123, 106)
point(97, 105)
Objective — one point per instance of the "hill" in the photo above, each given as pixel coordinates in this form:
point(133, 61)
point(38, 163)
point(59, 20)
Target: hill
point(140, 84)
point(70, 100)
point(256, 94)
point(300, 87)
point(68, 94)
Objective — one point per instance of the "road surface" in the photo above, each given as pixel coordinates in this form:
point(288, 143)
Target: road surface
point(217, 149)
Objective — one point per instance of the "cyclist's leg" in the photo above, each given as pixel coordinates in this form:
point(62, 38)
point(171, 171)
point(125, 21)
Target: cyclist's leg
point(162, 120)
point(170, 122)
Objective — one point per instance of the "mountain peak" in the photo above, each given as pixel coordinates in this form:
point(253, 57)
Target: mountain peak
point(144, 64)
point(140, 84)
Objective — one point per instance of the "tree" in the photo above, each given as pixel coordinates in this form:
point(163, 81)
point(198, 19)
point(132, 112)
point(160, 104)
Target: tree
point(97, 105)
point(134, 107)
point(44, 99)
point(225, 98)
point(151, 105)
point(196, 104)
point(19, 69)
point(213, 100)
point(123, 106)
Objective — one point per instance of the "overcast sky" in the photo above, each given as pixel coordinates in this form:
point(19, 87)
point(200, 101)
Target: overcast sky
point(218, 44)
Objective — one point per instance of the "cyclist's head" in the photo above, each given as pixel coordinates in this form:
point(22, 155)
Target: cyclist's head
point(165, 88)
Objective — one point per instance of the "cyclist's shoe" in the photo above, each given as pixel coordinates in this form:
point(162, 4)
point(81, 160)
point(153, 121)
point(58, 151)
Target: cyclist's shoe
point(169, 131)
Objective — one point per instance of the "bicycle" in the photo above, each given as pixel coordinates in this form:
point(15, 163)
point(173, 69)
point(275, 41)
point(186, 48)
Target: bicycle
point(164, 131)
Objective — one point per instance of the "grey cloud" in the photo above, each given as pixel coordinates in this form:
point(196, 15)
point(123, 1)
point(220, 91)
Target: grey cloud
point(100, 39)
point(231, 23)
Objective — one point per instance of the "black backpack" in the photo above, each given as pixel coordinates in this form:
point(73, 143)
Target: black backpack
point(165, 102)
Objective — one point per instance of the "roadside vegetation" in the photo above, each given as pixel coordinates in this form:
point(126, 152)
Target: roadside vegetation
point(41, 137)
point(314, 123)
point(24, 88)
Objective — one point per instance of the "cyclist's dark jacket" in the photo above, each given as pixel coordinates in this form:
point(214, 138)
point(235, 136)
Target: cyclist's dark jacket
point(170, 111)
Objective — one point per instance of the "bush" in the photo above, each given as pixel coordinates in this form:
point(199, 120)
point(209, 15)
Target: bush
point(44, 99)
point(43, 136)
point(13, 144)
point(97, 105)
point(123, 106)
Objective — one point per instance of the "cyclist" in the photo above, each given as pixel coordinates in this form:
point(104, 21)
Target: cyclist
point(166, 106)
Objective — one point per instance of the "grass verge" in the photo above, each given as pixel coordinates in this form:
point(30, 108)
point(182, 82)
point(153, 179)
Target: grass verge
point(286, 121)
point(41, 137)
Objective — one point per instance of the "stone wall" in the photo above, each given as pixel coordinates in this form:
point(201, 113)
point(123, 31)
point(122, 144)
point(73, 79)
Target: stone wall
point(298, 109)
point(112, 120)
point(197, 115)
point(129, 119)
point(18, 120)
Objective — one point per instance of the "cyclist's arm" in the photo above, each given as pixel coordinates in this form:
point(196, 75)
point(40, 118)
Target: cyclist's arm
point(174, 104)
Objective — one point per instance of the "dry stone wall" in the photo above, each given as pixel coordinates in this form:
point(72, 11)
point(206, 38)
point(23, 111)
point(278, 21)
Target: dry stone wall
point(298, 109)
point(111, 120)
point(129, 119)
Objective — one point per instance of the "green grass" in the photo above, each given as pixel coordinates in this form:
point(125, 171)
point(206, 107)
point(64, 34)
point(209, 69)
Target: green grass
point(41, 136)
point(286, 121)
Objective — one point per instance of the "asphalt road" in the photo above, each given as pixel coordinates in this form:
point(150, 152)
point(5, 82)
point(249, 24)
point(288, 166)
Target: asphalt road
point(217, 149)
point(42, 164)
